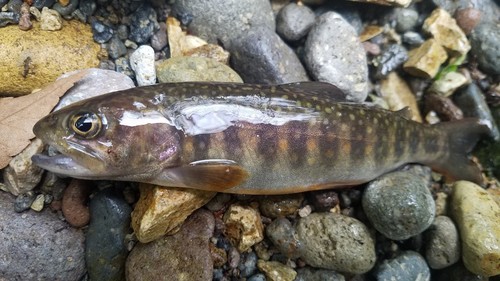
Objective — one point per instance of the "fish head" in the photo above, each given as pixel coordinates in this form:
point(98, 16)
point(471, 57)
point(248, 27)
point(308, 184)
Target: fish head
point(108, 138)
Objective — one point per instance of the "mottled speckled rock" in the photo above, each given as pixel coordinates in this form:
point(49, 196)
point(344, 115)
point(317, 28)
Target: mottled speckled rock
point(336, 242)
point(478, 218)
point(184, 69)
point(399, 205)
point(276, 271)
point(280, 205)
point(105, 245)
point(337, 57)
point(142, 62)
point(161, 210)
point(270, 61)
point(38, 246)
point(182, 256)
point(294, 21)
point(407, 266)
point(224, 20)
point(442, 247)
point(243, 226)
point(32, 59)
point(485, 41)
point(284, 237)
point(313, 274)
point(425, 60)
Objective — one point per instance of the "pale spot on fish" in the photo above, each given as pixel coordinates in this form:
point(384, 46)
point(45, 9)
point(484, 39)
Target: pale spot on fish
point(352, 117)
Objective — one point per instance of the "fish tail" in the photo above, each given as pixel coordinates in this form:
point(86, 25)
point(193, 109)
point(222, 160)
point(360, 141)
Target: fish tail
point(462, 136)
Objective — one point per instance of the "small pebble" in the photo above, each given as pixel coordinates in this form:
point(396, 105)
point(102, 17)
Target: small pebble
point(14, 6)
point(101, 32)
point(39, 4)
point(74, 203)
point(442, 247)
point(248, 264)
point(294, 21)
point(443, 107)
point(116, 48)
point(425, 60)
point(406, 20)
point(392, 57)
point(243, 226)
point(408, 265)
point(50, 20)
point(87, 8)
point(276, 271)
point(305, 211)
point(448, 84)
point(159, 38)
point(66, 10)
point(142, 62)
point(283, 236)
point(123, 67)
point(143, 24)
point(8, 18)
point(219, 202)
point(324, 200)
point(413, 38)
point(317, 274)
point(468, 19)
point(399, 205)
point(38, 203)
point(257, 277)
point(277, 206)
point(24, 20)
point(23, 202)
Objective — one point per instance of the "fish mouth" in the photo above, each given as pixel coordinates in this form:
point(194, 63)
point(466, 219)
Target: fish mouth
point(61, 164)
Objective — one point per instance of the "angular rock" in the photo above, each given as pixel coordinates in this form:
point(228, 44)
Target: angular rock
point(51, 54)
point(270, 61)
point(485, 41)
point(178, 41)
point(338, 58)
point(243, 226)
point(182, 256)
point(143, 23)
point(38, 245)
point(448, 84)
point(142, 62)
point(280, 205)
point(442, 247)
point(38, 204)
point(21, 175)
point(408, 265)
point(398, 95)
point(224, 20)
point(276, 271)
point(184, 69)
point(294, 21)
point(425, 60)
point(336, 242)
point(50, 20)
point(105, 245)
point(399, 205)
point(478, 218)
point(116, 48)
point(161, 210)
point(446, 32)
point(97, 82)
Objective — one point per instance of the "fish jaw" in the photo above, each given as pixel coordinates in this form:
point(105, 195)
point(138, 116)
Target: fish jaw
point(62, 164)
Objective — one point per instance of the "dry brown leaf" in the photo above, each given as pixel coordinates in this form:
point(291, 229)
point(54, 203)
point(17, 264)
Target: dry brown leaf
point(19, 115)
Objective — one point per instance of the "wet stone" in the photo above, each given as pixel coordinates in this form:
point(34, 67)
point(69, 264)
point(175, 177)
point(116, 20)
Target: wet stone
point(116, 48)
point(122, 66)
point(425, 60)
point(142, 62)
point(324, 200)
point(445, 31)
point(101, 32)
point(8, 18)
point(338, 58)
point(248, 264)
point(294, 21)
point(243, 226)
point(105, 247)
point(87, 8)
point(276, 271)
point(50, 20)
point(407, 266)
point(74, 203)
point(413, 38)
point(159, 38)
point(399, 205)
point(457, 272)
point(219, 202)
point(23, 201)
point(271, 61)
point(314, 274)
point(283, 236)
point(257, 277)
point(280, 205)
point(38, 245)
point(485, 40)
point(468, 19)
point(38, 203)
point(14, 6)
point(39, 4)
point(182, 256)
point(442, 243)
point(122, 31)
point(444, 107)
point(406, 20)
point(448, 84)
point(392, 57)
point(66, 10)
point(143, 24)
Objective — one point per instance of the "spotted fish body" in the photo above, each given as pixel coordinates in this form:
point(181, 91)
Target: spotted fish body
point(251, 139)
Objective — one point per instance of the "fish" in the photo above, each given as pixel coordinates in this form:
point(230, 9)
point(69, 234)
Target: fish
point(247, 139)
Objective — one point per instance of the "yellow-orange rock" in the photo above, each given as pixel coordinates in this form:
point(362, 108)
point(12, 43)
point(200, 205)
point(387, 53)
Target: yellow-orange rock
point(425, 60)
point(31, 59)
point(243, 226)
point(161, 210)
point(398, 95)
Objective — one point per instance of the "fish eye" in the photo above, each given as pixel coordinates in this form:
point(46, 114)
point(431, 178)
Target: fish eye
point(85, 124)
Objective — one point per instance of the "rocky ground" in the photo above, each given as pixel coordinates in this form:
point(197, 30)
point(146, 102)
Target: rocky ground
point(441, 58)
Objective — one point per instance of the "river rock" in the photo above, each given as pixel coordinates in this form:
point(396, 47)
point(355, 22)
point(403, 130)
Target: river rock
point(408, 265)
point(95, 83)
point(50, 20)
point(270, 61)
point(161, 210)
point(74, 203)
point(182, 256)
point(284, 237)
point(486, 46)
point(217, 21)
point(184, 69)
point(38, 245)
point(448, 84)
point(243, 226)
point(399, 205)
point(425, 60)
point(50, 55)
point(315, 274)
point(105, 245)
point(143, 23)
point(442, 247)
point(276, 206)
point(294, 21)
point(276, 271)
point(336, 242)
point(142, 62)
point(338, 58)
point(478, 218)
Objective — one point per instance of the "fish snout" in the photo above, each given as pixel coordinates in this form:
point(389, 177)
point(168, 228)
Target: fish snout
point(48, 122)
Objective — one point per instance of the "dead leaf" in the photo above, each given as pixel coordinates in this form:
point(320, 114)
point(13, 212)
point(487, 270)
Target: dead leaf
point(19, 115)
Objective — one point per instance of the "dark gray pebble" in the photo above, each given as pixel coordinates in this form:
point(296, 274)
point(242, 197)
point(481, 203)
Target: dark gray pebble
point(390, 59)
point(3, 2)
point(473, 104)
point(143, 24)
point(8, 18)
point(106, 249)
point(407, 266)
point(317, 274)
point(87, 7)
point(490, 11)
point(65, 11)
point(116, 48)
point(399, 204)
point(406, 19)
point(284, 237)
point(442, 247)
point(324, 200)
point(257, 277)
point(485, 42)
point(457, 272)
point(14, 6)
point(260, 56)
point(294, 21)
point(122, 31)
point(159, 38)
point(123, 66)
point(23, 202)
point(412, 38)
point(248, 264)
point(100, 31)
point(39, 4)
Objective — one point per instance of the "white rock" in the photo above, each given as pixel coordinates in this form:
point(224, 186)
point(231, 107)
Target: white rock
point(142, 62)
point(50, 20)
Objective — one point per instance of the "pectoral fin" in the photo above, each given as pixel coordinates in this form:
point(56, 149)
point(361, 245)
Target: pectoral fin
point(211, 175)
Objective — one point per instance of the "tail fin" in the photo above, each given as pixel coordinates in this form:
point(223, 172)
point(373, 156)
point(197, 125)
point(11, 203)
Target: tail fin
point(462, 137)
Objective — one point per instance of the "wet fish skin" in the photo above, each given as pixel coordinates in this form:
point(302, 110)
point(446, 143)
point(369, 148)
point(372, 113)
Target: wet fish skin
point(252, 139)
